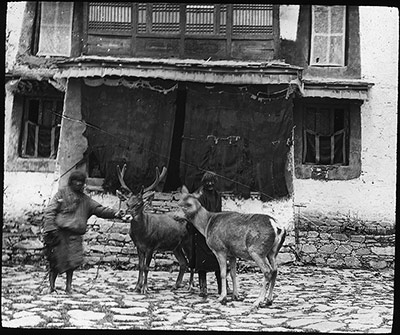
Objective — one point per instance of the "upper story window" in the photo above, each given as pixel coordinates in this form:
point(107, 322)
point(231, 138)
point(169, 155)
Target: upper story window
point(55, 28)
point(201, 19)
point(41, 127)
point(328, 31)
point(252, 19)
point(110, 16)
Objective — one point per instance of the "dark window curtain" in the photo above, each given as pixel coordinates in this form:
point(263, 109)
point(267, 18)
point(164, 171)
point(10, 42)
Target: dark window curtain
point(129, 125)
point(239, 134)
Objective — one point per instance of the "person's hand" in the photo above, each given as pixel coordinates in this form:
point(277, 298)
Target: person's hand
point(120, 214)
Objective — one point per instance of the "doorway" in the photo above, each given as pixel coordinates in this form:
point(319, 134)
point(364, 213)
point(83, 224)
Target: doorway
point(173, 181)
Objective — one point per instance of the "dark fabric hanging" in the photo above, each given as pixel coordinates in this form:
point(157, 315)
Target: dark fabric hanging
point(241, 133)
point(132, 126)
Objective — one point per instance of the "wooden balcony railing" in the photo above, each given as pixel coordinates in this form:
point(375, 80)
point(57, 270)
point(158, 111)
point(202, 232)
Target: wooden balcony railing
point(220, 31)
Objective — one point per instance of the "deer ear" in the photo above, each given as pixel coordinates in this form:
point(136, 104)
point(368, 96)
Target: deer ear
point(184, 190)
point(142, 190)
point(198, 192)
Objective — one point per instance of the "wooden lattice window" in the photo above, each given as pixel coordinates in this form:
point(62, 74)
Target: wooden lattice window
point(165, 18)
point(325, 135)
point(253, 19)
point(200, 19)
point(110, 16)
point(328, 32)
point(41, 127)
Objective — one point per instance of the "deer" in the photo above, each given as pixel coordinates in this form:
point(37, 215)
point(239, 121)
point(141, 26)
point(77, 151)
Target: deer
point(151, 232)
point(231, 235)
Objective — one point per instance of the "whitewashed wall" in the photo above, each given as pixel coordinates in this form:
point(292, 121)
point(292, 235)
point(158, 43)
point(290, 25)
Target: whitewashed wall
point(372, 196)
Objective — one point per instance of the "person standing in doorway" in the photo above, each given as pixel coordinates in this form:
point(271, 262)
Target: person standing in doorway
point(65, 222)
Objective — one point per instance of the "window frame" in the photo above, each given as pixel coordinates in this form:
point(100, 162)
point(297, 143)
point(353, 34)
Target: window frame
point(329, 110)
point(65, 40)
point(307, 170)
point(55, 127)
point(329, 36)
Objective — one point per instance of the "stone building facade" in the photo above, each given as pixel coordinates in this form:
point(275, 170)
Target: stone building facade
point(339, 214)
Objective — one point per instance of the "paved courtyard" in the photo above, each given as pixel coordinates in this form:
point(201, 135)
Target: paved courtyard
point(307, 299)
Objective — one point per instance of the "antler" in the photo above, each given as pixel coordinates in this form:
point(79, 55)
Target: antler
point(159, 177)
point(120, 174)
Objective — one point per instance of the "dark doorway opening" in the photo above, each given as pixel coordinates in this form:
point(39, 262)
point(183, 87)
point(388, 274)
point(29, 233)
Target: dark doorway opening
point(173, 181)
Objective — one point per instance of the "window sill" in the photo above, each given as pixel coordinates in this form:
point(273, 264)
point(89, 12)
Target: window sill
point(327, 172)
point(21, 164)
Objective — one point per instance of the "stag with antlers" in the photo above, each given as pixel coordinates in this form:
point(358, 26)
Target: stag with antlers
point(151, 232)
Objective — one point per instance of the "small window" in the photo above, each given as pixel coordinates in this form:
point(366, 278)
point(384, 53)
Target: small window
point(328, 30)
point(325, 135)
point(55, 28)
point(41, 127)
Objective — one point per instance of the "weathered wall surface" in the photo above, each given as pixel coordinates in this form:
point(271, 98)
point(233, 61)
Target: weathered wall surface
point(15, 13)
point(108, 241)
point(354, 220)
point(372, 196)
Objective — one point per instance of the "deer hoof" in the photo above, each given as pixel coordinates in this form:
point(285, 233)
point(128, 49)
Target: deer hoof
point(237, 297)
point(222, 300)
point(268, 302)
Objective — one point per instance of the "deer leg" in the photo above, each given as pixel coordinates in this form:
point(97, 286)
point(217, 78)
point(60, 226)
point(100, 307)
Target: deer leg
point(266, 270)
point(191, 280)
point(147, 259)
point(274, 272)
point(232, 263)
point(68, 288)
point(221, 258)
point(139, 283)
point(182, 267)
point(52, 278)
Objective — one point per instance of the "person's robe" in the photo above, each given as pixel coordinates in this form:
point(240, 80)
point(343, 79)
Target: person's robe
point(65, 221)
point(203, 259)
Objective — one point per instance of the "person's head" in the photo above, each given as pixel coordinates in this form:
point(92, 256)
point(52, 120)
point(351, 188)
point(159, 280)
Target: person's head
point(76, 181)
point(209, 180)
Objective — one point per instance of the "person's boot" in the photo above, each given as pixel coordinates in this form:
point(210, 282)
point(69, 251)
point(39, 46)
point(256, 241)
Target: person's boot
point(203, 284)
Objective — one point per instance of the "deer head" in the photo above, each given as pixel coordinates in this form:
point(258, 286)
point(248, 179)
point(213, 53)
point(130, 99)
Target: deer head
point(135, 202)
point(189, 202)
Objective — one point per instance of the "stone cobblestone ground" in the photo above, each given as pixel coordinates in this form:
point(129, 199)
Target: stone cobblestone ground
point(307, 299)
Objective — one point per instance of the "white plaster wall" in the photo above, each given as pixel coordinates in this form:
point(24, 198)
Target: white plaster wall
point(26, 191)
point(15, 13)
point(372, 196)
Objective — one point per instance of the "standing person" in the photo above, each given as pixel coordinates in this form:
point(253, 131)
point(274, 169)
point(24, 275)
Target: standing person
point(203, 259)
point(65, 222)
